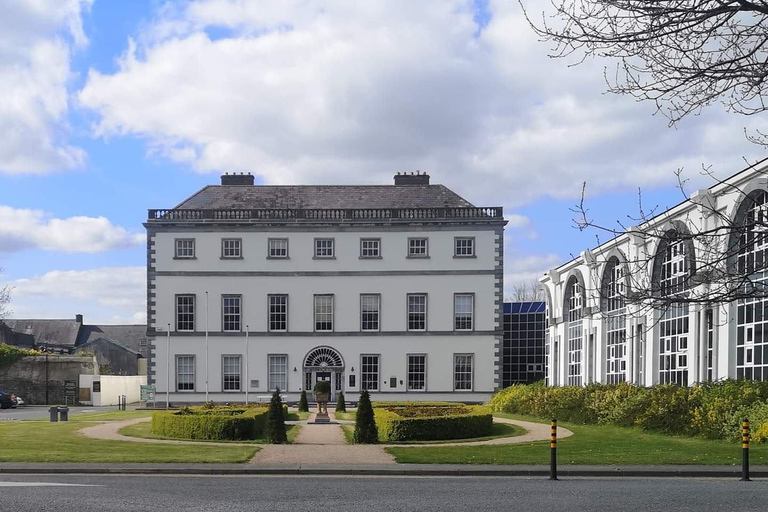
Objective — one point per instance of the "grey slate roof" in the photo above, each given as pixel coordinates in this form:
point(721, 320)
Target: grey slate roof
point(323, 197)
point(132, 337)
point(62, 333)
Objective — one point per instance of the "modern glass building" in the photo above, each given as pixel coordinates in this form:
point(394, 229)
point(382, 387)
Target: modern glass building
point(522, 355)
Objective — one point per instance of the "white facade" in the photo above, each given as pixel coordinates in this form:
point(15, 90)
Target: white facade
point(253, 351)
point(595, 336)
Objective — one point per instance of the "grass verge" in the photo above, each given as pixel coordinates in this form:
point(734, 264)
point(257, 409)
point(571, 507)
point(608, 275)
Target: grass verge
point(32, 441)
point(346, 416)
point(144, 431)
point(590, 444)
point(297, 416)
point(499, 430)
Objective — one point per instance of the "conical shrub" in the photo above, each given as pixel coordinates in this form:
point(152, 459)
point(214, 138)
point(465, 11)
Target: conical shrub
point(365, 425)
point(303, 404)
point(340, 405)
point(275, 428)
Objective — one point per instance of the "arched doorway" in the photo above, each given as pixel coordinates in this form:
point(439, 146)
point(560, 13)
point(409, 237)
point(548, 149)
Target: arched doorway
point(324, 363)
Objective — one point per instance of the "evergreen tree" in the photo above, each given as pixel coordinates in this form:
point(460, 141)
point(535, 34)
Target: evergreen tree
point(340, 405)
point(365, 425)
point(275, 428)
point(303, 405)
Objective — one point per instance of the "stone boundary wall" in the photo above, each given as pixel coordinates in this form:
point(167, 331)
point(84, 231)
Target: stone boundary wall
point(27, 376)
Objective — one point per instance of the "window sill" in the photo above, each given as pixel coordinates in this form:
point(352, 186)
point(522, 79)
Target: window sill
point(371, 258)
point(278, 258)
point(231, 258)
point(459, 257)
point(185, 257)
point(324, 257)
point(410, 257)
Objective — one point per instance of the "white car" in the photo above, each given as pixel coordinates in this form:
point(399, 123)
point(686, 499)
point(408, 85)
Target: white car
point(17, 401)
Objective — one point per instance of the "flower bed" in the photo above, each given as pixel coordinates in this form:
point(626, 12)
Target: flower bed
point(432, 422)
point(220, 423)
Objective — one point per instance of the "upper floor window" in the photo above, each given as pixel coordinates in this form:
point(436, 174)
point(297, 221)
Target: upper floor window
point(231, 312)
point(278, 313)
point(185, 248)
point(278, 248)
point(323, 313)
point(464, 246)
point(370, 248)
point(370, 307)
point(418, 247)
point(324, 248)
point(185, 312)
point(417, 312)
point(463, 311)
point(231, 248)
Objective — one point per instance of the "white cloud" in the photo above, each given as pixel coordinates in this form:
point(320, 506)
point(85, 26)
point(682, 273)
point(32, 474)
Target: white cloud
point(102, 295)
point(36, 40)
point(515, 220)
point(336, 92)
point(22, 229)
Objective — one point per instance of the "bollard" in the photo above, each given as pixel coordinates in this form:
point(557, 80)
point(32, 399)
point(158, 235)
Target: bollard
point(553, 451)
point(745, 450)
point(64, 412)
point(54, 412)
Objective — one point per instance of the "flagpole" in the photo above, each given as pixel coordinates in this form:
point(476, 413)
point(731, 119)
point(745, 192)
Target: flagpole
point(246, 365)
point(206, 346)
point(168, 368)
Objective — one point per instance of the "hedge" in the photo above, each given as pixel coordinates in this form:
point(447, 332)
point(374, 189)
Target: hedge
point(379, 405)
point(713, 410)
point(432, 422)
point(212, 424)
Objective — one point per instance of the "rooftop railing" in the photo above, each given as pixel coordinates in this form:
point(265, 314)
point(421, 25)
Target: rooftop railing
point(325, 215)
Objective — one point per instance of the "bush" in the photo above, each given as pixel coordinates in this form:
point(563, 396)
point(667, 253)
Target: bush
point(303, 404)
point(365, 424)
point(322, 387)
point(427, 423)
point(213, 424)
point(341, 406)
point(275, 429)
point(377, 405)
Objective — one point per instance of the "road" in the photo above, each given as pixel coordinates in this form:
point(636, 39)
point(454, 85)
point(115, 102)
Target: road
point(346, 493)
point(34, 412)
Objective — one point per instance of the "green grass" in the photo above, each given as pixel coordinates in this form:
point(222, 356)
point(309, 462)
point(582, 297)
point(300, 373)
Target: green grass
point(297, 416)
point(144, 430)
point(346, 416)
point(590, 444)
point(32, 441)
point(102, 416)
point(499, 430)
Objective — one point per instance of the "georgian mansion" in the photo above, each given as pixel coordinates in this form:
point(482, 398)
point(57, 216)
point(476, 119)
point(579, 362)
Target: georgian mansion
point(395, 289)
point(637, 307)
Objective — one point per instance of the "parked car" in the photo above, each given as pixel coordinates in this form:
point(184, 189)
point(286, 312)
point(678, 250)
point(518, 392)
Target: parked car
point(17, 401)
point(6, 402)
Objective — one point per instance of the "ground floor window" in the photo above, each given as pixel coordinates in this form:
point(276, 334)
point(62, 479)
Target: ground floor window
point(574, 352)
point(616, 348)
point(231, 373)
point(417, 372)
point(673, 345)
point(278, 372)
point(369, 375)
point(185, 373)
point(462, 372)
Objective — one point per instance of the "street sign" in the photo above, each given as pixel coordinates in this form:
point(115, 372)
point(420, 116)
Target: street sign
point(147, 393)
point(70, 388)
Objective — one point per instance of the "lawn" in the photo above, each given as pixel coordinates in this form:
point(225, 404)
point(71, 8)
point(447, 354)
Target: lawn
point(590, 444)
point(34, 441)
point(297, 416)
point(102, 416)
point(346, 416)
point(499, 430)
point(144, 430)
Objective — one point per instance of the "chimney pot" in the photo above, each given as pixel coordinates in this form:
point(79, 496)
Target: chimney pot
point(237, 179)
point(414, 178)
point(79, 318)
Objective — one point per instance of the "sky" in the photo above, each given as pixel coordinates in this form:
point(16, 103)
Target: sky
point(110, 108)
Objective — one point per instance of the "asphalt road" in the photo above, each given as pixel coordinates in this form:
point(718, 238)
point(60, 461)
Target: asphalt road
point(34, 412)
point(293, 493)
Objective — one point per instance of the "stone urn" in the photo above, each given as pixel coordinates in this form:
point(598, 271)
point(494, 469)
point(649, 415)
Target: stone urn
point(322, 392)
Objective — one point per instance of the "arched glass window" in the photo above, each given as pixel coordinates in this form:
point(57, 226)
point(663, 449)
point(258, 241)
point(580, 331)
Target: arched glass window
point(613, 290)
point(673, 324)
point(575, 301)
point(752, 313)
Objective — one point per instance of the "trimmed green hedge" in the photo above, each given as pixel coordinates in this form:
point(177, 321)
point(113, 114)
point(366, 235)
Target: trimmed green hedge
point(432, 422)
point(713, 410)
point(229, 424)
point(379, 405)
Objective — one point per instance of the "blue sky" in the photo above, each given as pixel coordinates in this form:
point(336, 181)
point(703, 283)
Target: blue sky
point(123, 106)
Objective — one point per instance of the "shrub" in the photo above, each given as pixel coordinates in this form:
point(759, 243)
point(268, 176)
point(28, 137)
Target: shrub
point(377, 405)
point(428, 423)
point(365, 424)
point(275, 429)
point(341, 406)
point(322, 387)
point(214, 424)
point(303, 405)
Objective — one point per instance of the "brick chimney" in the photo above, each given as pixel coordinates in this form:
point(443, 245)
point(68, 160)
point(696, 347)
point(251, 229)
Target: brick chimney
point(79, 319)
point(237, 179)
point(412, 178)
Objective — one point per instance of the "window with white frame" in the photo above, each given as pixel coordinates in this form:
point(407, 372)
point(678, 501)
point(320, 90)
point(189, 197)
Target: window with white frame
point(185, 248)
point(463, 311)
point(417, 372)
point(417, 312)
point(370, 310)
point(462, 372)
point(418, 247)
point(278, 248)
point(278, 372)
point(231, 373)
point(278, 313)
point(231, 312)
point(185, 373)
point(185, 312)
point(615, 322)
point(324, 248)
point(231, 248)
point(369, 375)
point(323, 313)
point(575, 334)
point(464, 246)
point(370, 247)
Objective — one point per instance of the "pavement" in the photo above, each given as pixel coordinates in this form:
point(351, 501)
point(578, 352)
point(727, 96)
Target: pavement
point(381, 494)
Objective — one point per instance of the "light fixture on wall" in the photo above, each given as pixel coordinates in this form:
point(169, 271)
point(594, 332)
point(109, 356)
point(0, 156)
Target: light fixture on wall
point(353, 369)
point(294, 368)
